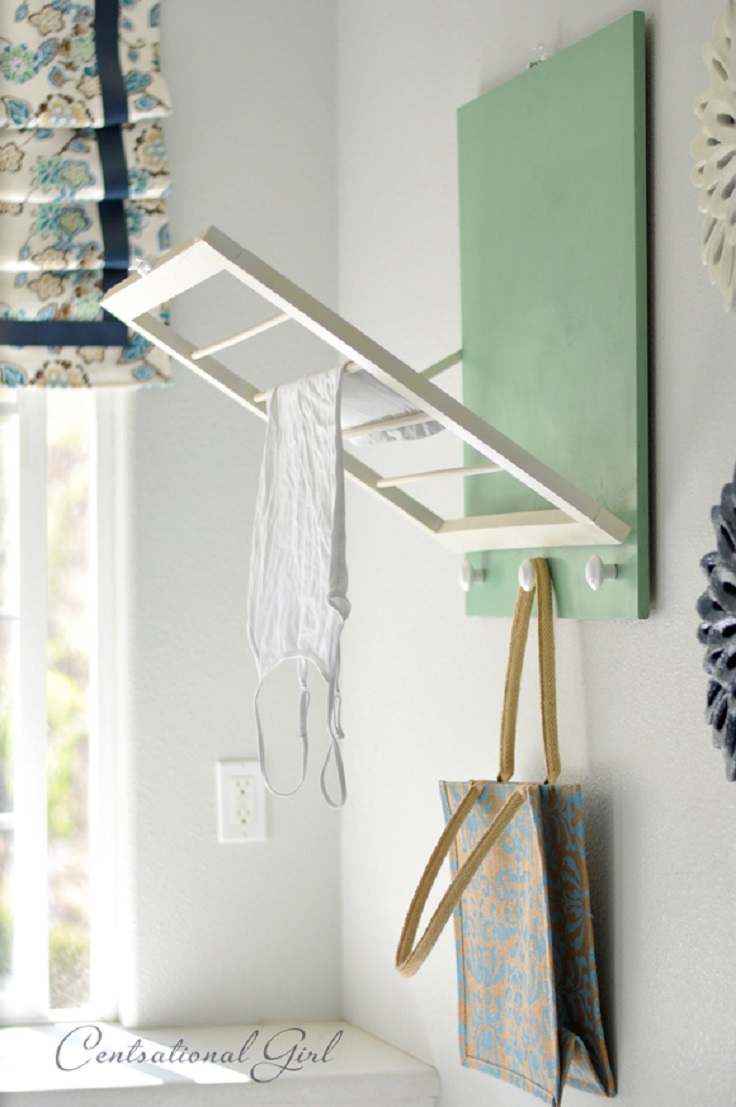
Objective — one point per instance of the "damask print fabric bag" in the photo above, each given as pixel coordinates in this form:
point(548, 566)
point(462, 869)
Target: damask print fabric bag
point(527, 985)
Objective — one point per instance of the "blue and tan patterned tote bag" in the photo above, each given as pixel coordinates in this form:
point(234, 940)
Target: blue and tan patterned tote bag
point(528, 997)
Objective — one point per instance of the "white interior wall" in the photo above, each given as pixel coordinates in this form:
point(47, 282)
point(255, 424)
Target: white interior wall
point(224, 933)
point(423, 683)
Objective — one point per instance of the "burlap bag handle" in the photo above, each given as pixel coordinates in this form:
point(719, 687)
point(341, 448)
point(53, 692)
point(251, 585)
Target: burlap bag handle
point(546, 638)
point(408, 959)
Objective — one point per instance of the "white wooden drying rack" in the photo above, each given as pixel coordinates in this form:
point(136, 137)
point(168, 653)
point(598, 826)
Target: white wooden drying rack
point(574, 519)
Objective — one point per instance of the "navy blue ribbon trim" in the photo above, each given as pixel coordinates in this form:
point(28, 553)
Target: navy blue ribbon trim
point(114, 234)
point(62, 332)
point(114, 164)
point(112, 83)
point(114, 327)
point(108, 331)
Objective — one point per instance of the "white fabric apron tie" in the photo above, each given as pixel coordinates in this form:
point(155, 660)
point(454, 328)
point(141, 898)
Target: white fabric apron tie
point(297, 603)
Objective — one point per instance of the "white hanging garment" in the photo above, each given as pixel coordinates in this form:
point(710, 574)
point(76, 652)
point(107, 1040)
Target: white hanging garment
point(365, 399)
point(297, 602)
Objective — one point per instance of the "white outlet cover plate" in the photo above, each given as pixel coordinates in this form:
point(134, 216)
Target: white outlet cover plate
point(236, 823)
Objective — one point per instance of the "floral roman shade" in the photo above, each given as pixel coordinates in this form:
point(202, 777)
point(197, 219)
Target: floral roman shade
point(83, 184)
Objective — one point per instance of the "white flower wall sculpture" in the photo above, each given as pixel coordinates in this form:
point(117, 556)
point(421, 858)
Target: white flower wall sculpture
point(714, 151)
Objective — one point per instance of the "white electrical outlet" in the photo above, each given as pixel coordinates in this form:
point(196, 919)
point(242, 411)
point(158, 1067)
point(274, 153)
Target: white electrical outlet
point(241, 802)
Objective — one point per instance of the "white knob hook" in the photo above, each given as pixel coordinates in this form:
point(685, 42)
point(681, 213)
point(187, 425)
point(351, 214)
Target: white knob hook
point(597, 572)
point(469, 576)
point(526, 575)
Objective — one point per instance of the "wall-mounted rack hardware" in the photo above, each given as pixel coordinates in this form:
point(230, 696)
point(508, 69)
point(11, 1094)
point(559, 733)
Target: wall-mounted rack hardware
point(554, 332)
point(575, 517)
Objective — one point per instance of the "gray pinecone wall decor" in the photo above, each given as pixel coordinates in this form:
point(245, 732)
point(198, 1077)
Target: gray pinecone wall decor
point(717, 631)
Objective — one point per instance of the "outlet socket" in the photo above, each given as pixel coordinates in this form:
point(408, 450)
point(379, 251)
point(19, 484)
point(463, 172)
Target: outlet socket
point(241, 802)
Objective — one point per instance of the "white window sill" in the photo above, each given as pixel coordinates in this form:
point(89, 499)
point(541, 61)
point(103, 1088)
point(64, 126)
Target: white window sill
point(277, 1063)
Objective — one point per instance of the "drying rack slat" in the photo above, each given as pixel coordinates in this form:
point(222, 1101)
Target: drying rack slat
point(575, 518)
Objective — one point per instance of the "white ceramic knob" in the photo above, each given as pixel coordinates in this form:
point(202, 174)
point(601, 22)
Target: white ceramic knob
point(526, 575)
point(469, 576)
point(597, 572)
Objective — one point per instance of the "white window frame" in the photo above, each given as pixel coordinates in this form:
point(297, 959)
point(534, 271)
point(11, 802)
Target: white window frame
point(26, 998)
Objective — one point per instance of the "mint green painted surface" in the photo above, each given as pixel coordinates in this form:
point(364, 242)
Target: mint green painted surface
point(553, 262)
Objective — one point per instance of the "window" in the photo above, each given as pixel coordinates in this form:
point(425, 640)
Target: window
point(57, 634)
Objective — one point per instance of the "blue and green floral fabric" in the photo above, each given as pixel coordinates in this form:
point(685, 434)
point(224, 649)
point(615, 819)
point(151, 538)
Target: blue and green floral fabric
point(66, 166)
point(136, 364)
point(83, 180)
point(71, 236)
point(50, 68)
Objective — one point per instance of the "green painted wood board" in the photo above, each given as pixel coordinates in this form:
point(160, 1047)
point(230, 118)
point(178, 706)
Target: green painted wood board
point(552, 177)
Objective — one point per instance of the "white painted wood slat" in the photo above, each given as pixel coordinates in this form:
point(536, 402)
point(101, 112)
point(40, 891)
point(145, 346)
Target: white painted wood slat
point(576, 519)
